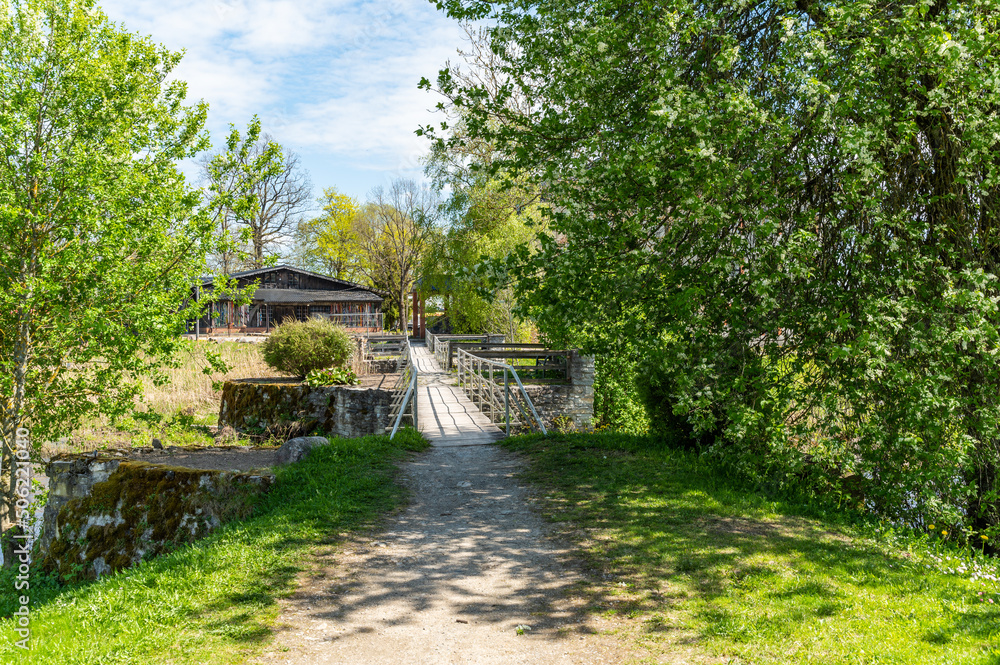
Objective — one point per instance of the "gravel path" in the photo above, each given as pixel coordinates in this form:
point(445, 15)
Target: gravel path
point(450, 580)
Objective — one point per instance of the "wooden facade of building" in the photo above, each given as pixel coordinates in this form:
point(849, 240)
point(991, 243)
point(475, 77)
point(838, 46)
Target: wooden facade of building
point(285, 293)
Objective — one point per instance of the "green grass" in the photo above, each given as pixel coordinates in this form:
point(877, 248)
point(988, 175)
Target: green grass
point(215, 600)
point(684, 558)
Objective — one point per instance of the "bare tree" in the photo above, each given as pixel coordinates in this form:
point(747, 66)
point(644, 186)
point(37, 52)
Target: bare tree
point(258, 193)
point(392, 231)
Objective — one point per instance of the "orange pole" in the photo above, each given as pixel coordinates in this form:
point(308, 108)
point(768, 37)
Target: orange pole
point(423, 318)
point(416, 330)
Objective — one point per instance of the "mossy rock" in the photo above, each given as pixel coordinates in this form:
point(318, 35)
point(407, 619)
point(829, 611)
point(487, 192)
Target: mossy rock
point(142, 510)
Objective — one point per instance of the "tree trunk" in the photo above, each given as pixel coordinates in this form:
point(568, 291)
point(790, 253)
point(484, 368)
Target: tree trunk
point(12, 419)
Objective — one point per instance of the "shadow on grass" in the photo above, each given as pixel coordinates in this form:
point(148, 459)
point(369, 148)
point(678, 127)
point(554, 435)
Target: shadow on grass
point(742, 567)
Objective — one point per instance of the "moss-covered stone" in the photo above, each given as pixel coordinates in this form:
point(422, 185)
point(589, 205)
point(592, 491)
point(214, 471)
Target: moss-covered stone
point(289, 409)
point(141, 510)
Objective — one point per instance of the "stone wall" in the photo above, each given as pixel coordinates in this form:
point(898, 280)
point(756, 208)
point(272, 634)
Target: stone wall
point(106, 513)
point(574, 400)
point(296, 409)
point(383, 366)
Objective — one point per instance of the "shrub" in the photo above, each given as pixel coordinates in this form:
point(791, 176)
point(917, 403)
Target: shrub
point(332, 376)
point(299, 347)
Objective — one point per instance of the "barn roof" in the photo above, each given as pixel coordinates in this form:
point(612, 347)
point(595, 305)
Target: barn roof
point(207, 280)
point(303, 297)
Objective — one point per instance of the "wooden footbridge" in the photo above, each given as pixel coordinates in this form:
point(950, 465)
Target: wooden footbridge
point(469, 410)
point(445, 414)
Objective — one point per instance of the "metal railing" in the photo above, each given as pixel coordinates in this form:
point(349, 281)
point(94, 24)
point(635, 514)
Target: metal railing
point(406, 392)
point(370, 321)
point(446, 345)
point(536, 363)
point(500, 402)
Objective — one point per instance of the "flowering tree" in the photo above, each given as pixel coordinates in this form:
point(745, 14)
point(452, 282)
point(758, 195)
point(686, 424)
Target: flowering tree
point(791, 207)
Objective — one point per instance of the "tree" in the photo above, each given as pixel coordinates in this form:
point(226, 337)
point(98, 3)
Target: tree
point(489, 214)
point(489, 221)
point(327, 243)
point(791, 207)
point(392, 230)
point(99, 243)
point(258, 193)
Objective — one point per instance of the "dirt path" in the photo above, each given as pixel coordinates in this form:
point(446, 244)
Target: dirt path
point(450, 580)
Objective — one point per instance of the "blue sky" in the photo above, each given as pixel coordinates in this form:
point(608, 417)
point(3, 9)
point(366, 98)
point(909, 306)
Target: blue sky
point(334, 80)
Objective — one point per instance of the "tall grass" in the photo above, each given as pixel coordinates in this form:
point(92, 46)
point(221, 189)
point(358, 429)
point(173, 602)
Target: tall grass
point(189, 387)
point(180, 410)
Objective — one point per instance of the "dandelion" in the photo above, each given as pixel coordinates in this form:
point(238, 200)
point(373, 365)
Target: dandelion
point(930, 526)
point(944, 533)
point(984, 537)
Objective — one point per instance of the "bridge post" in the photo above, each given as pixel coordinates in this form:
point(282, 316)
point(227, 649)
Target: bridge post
point(506, 399)
point(416, 316)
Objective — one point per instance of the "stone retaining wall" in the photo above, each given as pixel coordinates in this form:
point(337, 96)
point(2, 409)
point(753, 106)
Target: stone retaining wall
point(297, 409)
point(106, 513)
point(383, 366)
point(574, 400)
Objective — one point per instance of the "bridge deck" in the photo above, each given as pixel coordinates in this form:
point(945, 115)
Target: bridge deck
point(445, 415)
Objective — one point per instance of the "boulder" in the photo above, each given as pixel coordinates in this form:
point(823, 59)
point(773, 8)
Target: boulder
point(295, 449)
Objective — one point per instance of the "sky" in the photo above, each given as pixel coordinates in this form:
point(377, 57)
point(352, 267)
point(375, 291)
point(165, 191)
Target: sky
point(333, 80)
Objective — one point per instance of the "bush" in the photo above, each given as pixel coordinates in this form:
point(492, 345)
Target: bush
point(299, 347)
point(332, 376)
point(617, 403)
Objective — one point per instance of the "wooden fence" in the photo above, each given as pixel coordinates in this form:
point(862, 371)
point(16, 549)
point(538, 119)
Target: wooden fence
point(534, 362)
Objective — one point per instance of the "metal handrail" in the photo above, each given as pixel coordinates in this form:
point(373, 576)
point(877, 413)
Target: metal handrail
point(408, 382)
point(474, 382)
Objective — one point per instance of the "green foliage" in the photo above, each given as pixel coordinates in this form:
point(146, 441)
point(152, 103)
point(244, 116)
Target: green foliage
point(489, 220)
point(794, 206)
point(703, 561)
point(332, 376)
point(218, 596)
point(328, 243)
point(299, 347)
point(618, 405)
point(100, 236)
point(491, 216)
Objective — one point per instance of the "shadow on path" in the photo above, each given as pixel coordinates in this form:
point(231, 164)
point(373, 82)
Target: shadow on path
point(449, 581)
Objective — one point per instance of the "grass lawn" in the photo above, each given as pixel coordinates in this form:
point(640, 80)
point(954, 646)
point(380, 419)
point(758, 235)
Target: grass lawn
point(215, 600)
point(693, 563)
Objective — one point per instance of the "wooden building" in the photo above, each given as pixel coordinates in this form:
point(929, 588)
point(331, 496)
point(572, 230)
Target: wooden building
point(286, 293)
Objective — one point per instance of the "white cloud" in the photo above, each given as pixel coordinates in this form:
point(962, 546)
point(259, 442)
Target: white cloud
point(334, 79)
